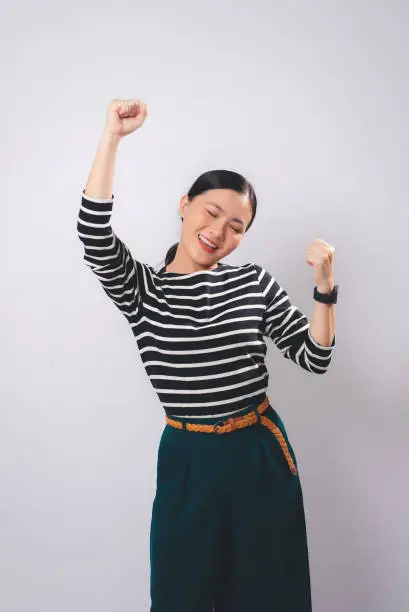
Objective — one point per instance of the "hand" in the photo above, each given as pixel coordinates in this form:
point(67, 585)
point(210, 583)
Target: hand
point(320, 255)
point(124, 117)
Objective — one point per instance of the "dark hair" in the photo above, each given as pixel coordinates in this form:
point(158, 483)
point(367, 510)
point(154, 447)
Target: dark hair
point(218, 179)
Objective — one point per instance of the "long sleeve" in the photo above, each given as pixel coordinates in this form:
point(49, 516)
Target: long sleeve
point(107, 256)
point(289, 328)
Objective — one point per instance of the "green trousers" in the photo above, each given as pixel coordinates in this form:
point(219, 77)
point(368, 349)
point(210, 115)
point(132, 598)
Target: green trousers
point(228, 531)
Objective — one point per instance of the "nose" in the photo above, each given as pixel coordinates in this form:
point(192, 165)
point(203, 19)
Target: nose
point(217, 231)
point(217, 237)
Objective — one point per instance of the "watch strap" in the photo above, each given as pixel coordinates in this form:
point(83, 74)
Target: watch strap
point(326, 298)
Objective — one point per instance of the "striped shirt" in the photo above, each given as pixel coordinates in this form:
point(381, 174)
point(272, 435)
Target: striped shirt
point(201, 335)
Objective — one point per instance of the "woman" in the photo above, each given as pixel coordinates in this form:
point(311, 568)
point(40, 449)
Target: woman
point(228, 527)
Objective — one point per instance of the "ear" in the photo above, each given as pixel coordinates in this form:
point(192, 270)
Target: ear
point(183, 202)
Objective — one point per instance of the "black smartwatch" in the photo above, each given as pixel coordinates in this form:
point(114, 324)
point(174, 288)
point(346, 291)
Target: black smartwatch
point(326, 298)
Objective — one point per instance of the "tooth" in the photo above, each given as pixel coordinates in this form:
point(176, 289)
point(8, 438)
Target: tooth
point(206, 241)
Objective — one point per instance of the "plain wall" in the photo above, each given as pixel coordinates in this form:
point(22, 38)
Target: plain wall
point(310, 102)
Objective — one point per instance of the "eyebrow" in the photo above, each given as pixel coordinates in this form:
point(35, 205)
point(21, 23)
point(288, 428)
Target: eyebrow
point(222, 209)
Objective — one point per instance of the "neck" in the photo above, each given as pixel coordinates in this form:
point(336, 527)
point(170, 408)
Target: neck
point(182, 263)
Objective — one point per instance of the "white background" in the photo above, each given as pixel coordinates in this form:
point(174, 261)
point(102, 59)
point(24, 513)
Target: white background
point(309, 101)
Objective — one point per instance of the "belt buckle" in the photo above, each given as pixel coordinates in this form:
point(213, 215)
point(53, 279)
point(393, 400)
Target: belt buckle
point(230, 421)
point(218, 424)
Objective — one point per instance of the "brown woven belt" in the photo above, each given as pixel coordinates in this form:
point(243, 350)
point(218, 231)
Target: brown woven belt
point(233, 423)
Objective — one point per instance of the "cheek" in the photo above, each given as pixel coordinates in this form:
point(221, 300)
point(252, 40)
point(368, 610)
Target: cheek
point(233, 240)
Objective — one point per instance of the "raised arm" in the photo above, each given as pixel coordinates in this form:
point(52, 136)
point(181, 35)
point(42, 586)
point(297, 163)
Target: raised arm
point(104, 253)
point(101, 178)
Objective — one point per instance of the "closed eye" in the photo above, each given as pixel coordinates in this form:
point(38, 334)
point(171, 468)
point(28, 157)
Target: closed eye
point(233, 228)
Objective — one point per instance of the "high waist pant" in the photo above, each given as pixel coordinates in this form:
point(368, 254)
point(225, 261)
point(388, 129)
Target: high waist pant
point(228, 530)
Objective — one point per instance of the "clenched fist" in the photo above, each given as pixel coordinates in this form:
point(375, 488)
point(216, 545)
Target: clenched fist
point(320, 255)
point(125, 116)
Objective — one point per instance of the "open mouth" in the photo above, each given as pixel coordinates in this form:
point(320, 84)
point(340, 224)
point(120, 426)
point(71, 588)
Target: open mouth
point(206, 247)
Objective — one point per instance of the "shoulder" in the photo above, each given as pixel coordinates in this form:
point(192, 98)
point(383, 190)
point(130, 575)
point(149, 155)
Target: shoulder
point(255, 273)
point(246, 272)
point(263, 275)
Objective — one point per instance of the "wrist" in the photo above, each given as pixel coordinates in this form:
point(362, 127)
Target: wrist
point(110, 140)
point(326, 287)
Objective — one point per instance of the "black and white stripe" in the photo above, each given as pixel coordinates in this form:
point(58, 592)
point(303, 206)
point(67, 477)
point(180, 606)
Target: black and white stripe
point(200, 335)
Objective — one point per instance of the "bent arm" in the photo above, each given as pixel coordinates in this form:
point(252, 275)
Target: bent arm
point(289, 328)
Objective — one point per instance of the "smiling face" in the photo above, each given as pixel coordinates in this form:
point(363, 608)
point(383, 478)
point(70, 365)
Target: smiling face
point(221, 216)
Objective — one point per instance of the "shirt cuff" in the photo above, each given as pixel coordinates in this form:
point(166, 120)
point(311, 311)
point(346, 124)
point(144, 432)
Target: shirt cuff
point(101, 200)
point(318, 345)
